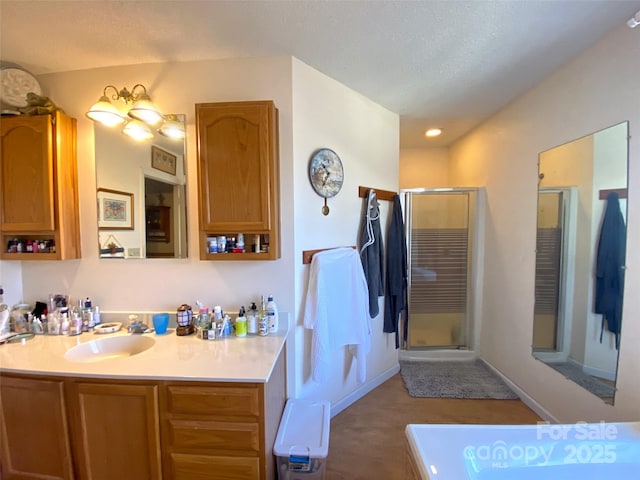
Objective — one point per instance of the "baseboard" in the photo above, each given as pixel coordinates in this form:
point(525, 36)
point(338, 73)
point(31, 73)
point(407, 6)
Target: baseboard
point(437, 355)
point(357, 394)
point(551, 357)
point(595, 372)
point(524, 396)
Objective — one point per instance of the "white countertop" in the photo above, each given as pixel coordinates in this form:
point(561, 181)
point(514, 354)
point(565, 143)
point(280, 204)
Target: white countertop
point(491, 452)
point(172, 357)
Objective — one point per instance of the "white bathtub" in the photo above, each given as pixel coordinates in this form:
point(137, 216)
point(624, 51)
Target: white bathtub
point(541, 452)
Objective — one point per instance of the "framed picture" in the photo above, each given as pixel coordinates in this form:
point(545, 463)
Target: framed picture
point(163, 160)
point(115, 210)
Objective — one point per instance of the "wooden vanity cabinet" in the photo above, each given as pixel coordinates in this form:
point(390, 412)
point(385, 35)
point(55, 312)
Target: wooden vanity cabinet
point(35, 438)
point(238, 176)
point(222, 431)
point(39, 187)
point(105, 429)
point(115, 430)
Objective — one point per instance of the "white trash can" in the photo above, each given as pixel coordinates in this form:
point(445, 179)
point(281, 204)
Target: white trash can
point(302, 443)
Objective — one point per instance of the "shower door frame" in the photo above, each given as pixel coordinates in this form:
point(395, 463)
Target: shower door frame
point(564, 321)
point(473, 294)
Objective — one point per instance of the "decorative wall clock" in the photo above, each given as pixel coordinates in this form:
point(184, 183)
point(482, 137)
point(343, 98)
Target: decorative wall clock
point(15, 83)
point(326, 174)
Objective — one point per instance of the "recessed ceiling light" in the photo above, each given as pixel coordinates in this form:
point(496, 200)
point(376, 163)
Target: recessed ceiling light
point(433, 132)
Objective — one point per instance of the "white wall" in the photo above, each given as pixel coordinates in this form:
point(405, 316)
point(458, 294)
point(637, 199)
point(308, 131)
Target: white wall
point(365, 137)
point(599, 88)
point(11, 282)
point(424, 168)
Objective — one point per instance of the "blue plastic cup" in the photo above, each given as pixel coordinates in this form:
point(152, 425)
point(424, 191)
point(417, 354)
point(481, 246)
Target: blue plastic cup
point(160, 323)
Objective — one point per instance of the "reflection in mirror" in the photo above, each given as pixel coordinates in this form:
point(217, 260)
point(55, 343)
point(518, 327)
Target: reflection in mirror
point(151, 176)
point(575, 181)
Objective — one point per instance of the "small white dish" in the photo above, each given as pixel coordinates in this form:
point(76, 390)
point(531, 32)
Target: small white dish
point(107, 327)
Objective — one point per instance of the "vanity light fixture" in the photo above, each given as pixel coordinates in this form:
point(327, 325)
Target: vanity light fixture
point(137, 130)
point(634, 21)
point(433, 132)
point(172, 128)
point(142, 114)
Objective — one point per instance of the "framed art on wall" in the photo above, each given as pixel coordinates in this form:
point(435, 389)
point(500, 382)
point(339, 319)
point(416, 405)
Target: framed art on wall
point(163, 160)
point(115, 210)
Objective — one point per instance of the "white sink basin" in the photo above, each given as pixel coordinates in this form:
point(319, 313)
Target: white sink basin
point(109, 348)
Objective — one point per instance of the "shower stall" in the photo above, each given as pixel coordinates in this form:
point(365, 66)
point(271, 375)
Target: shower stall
point(442, 236)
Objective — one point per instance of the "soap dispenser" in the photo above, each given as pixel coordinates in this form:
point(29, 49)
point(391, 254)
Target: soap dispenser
point(252, 320)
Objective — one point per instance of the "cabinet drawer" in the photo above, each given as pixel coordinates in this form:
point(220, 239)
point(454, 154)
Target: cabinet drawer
point(204, 467)
point(198, 434)
point(213, 400)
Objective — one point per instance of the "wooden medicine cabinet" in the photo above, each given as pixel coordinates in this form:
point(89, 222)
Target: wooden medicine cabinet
point(38, 188)
point(238, 178)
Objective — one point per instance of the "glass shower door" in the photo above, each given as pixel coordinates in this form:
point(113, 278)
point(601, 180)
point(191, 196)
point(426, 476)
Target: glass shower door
point(439, 236)
point(547, 323)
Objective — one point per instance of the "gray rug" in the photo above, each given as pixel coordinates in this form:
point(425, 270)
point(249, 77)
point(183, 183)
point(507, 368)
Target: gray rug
point(453, 379)
point(574, 372)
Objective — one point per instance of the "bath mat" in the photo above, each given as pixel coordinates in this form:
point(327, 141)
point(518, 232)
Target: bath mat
point(453, 379)
point(574, 372)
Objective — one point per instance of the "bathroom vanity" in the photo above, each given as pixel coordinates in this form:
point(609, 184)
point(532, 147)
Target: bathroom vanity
point(182, 408)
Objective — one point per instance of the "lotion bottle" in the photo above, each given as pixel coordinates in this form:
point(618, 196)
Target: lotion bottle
point(272, 314)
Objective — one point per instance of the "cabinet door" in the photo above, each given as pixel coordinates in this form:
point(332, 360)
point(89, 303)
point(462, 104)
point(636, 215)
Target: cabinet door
point(115, 430)
point(237, 166)
point(34, 430)
point(26, 174)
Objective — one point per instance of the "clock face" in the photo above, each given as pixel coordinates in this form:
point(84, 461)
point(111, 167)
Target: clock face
point(326, 173)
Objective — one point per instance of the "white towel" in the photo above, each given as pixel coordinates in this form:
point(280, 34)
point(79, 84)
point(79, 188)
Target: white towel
point(337, 311)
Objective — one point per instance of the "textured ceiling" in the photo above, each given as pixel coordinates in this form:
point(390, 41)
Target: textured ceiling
point(447, 63)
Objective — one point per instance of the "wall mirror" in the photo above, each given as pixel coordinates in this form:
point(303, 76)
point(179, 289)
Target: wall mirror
point(579, 184)
point(141, 195)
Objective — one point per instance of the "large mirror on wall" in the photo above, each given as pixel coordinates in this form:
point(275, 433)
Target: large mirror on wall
point(141, 195)
point(580, 252)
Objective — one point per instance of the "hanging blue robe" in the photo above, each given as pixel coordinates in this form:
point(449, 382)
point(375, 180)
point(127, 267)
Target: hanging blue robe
point(610, 268)
point(371, 250)
point(395, 301)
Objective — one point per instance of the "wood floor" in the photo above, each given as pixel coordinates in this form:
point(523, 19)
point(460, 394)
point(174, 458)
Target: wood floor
point(367, 440)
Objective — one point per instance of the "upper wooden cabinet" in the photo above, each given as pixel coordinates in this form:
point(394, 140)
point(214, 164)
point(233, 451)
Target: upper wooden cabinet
point(39, 188)
point(238, 177)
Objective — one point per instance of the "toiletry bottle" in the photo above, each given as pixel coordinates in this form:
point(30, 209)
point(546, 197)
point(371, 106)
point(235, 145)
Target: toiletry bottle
point(240, 243)
point(96, 315)
point(75, 325)
point(241, 323)
point(263, 319)
point(227, 325)
point(204, 318)
point(272, 313)
point(216, 321)
point(87, 316)
point(64, 326)
point(252, 320)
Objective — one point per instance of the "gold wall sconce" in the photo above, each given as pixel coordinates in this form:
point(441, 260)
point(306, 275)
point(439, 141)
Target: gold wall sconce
point(139, 119)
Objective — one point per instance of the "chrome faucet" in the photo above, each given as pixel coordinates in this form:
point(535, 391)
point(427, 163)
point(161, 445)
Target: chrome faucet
point(136, 325)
